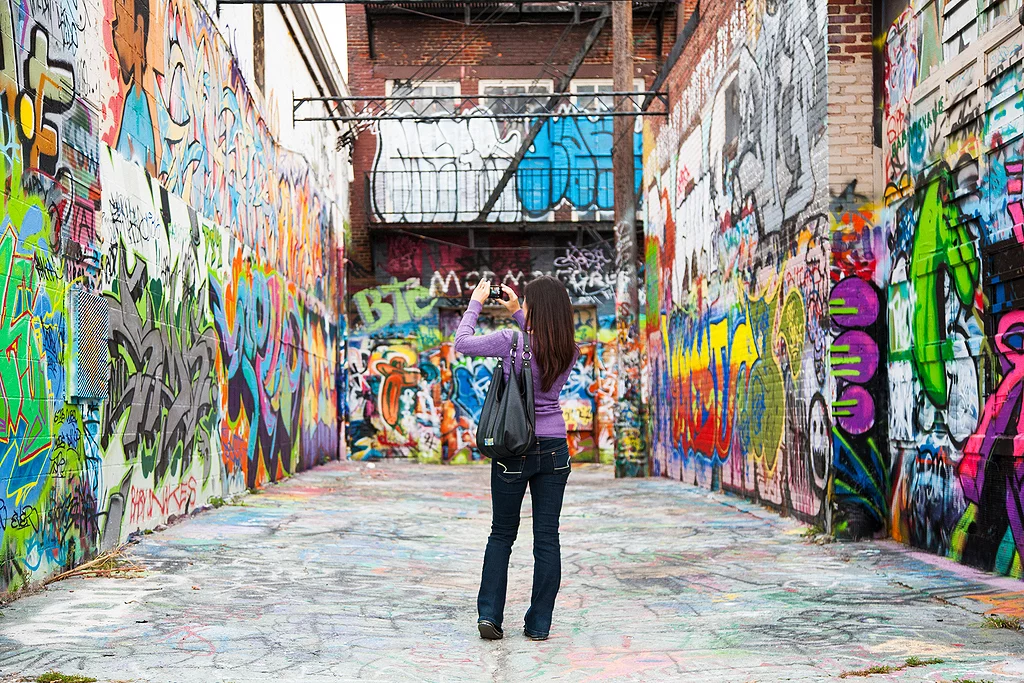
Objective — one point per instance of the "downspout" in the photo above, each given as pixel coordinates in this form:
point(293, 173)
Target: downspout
point(312, 45)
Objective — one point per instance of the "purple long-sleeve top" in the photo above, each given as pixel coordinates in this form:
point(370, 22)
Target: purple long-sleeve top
point(550, 423)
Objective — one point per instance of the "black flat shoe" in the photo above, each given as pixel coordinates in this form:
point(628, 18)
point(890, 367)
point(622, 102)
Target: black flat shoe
point(533, 636)
point(489, 631)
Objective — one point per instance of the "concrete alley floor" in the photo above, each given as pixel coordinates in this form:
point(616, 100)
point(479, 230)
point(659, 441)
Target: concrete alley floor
point(355, 573)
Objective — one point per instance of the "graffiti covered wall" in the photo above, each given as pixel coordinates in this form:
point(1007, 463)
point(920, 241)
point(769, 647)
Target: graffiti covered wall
point(737, 258)
point(168, 316)
point(411, 395)
point(951, 214)
point(861, 484)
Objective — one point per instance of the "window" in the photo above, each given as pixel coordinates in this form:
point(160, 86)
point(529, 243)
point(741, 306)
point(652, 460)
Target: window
point(424, 94)
point(589, 93)
point(492, 91)
point(588, 97)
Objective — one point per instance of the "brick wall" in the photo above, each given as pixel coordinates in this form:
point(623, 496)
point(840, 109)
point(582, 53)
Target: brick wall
point(859, 398)
point(411, 40)
point(850, 95)
point(737, 253)
point(404, 44)
point(360, 82)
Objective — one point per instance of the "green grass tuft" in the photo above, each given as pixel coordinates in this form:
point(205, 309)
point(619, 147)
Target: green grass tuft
point(871, 670)
point(217, 502)
point(1008, 623)
point(889, 669)
point(58, 677)
point(917, 661)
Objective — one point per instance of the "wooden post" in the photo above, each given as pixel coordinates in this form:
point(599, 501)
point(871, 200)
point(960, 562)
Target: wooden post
point(630, 451)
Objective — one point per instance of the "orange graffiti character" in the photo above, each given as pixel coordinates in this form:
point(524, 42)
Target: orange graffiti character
point(397, 378)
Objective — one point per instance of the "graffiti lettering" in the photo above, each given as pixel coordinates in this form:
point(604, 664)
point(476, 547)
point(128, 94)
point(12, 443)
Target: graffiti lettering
point(409, 303)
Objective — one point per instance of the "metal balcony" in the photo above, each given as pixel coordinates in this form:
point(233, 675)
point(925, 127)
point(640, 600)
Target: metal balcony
point(420, 193)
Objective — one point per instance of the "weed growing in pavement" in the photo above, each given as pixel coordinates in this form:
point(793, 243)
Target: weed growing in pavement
point(58, 677)
point(916, 661)
point(1008, 623)
point(889, 669)
point(217, 502)
point(872, 670)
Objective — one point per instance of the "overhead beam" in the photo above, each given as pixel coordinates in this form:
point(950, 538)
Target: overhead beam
point(520, 227)
point(368, 109)
point(568, 6)
point(485, 115)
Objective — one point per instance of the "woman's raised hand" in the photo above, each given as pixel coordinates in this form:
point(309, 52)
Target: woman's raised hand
point(482, 291)
point(511, 299)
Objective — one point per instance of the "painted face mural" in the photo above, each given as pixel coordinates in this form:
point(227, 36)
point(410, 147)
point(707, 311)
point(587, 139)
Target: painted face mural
point(737, 254)
point(133, 157)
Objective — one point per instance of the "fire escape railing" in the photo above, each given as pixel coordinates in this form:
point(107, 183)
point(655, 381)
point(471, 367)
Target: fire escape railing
point(421, 193)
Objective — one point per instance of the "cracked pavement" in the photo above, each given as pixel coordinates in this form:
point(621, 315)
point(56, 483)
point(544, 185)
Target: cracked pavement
point(352, 572)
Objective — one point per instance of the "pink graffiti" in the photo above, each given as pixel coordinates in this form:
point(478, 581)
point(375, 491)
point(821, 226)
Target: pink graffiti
point(1001, 421)
point(1015, 186)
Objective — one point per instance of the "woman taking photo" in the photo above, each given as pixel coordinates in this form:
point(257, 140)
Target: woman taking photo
point(547, 319)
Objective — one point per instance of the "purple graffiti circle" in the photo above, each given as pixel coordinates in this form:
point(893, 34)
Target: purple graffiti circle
point(854, 357)
point(855, 410)
point(857, 296)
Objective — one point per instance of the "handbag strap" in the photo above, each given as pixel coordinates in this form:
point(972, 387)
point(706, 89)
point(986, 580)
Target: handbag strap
point(527, 354)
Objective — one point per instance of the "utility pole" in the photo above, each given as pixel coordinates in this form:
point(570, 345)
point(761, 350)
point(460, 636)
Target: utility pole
point(630, 451)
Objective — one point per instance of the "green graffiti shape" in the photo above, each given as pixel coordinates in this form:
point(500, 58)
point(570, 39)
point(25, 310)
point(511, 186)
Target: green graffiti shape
point(410, 303)
point(762, 399)
point(792, 329)
point(942, 244)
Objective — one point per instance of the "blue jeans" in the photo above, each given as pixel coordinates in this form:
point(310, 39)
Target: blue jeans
point(546, 468)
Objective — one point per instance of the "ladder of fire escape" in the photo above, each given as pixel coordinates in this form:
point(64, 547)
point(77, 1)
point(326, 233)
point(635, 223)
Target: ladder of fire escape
point(535, 127)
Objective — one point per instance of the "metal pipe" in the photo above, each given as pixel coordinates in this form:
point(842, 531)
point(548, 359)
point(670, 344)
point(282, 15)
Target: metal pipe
point(492, 117)
point(414, 3)
point(515, 96)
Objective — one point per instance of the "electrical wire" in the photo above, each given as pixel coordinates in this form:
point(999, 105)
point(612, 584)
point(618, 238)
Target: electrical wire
point(411, 82)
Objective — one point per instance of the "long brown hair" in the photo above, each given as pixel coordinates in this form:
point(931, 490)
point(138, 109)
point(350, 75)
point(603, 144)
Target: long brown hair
point(549, 319)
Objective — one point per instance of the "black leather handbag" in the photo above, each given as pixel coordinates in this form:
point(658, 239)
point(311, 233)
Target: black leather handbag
point(507, 420)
